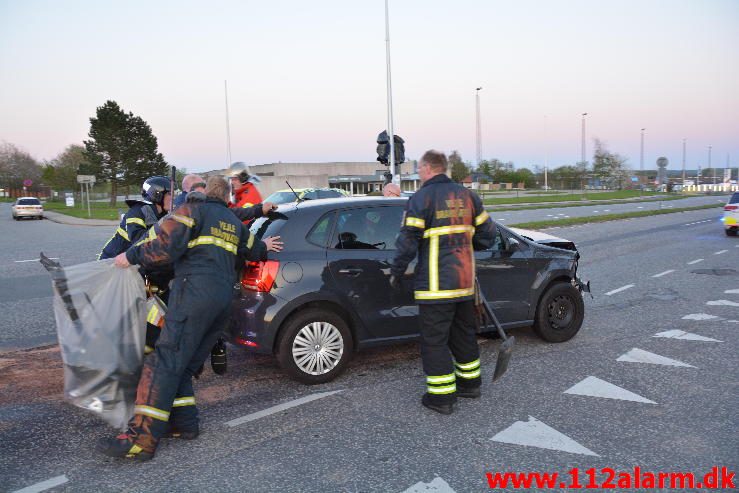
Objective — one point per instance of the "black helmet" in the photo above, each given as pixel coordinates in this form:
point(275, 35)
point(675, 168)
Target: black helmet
point(155, 188)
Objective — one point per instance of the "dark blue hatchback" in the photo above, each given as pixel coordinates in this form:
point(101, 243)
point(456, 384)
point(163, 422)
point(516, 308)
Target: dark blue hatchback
point(327, 294)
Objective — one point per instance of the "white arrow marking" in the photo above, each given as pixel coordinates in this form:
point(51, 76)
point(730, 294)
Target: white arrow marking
point(622, 288)
point(731, 291)
point(685, 336)
point(664, 273)
point(437, 485)
point(595, 387)
point(279, 407)
point(534, 433)
point(699, 316)
point(44, 485)
point(637, 355)
point(695, 261)
point(722, 303)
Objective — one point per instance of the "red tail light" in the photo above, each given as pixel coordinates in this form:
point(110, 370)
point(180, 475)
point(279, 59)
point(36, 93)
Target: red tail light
point(260, 276)
point(731, 207)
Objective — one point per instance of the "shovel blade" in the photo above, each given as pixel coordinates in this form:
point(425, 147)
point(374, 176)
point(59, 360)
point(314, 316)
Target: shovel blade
point(504, 356)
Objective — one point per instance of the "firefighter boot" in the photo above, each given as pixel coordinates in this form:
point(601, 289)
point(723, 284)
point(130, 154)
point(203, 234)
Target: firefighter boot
point(440, 406)
point(182, 433)
point(124, 446)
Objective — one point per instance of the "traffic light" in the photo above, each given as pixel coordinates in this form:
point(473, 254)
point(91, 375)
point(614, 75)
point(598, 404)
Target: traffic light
point(383, 149)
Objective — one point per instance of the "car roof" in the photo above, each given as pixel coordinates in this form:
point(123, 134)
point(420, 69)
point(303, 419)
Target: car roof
point(338, 202)
point(24, 198)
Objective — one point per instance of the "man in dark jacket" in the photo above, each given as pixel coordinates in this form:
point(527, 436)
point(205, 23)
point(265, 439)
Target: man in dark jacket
point(203, 241)
point(444, 224)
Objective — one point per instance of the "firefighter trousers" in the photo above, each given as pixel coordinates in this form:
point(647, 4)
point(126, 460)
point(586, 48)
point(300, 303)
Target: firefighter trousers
point(449, 350)
point(198, 310)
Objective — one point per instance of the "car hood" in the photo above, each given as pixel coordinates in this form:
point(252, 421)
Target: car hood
point(545, 239)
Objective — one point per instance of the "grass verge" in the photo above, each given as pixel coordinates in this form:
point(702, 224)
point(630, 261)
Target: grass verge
point(588, 203)
point(606, 217)
point(99, 210)
point(596, 196)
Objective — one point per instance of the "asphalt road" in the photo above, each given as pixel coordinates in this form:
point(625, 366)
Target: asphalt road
point(373, 435)
point(511, 217)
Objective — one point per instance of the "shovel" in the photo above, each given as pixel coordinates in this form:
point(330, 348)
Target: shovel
point(506, 347)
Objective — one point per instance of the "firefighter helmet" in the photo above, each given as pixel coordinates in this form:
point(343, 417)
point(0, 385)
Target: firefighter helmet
point(154, 189)
point(240, 170)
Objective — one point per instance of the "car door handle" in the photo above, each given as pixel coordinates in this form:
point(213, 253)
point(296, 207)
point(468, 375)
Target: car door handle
point(351, 272)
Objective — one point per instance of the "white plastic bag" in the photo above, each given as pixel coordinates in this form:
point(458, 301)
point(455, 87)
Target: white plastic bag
point(100, 313)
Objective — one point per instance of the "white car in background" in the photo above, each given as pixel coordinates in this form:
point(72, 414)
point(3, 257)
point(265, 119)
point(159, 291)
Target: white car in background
point(27, 207)
point(731, 215)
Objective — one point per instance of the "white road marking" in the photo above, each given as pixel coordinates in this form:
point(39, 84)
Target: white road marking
point(33, 260)
point(731, 291)
point(534, 433)
point(684, 336)
point(501, 219)
point(722, 303)
point(279, 407)
point(696, 261)
point(637, 355)
point(720, 252)
point(596, 211)
point(549, 215)
point(622, 288)
point(44, 485)
point(733, 321)
point(595, 387)
point(699, 316)
point(437, 485)
point(640, 207)
point(664, 273)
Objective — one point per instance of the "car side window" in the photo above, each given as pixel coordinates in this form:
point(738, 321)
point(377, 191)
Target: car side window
point(312, 195)
point(319, 233)
point(370, 228)
point(499, 242)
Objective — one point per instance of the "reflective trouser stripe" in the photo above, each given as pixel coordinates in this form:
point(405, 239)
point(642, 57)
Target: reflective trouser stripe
point(444, 294)
point(183, 401)
point(468, 375)
point(152, 412)
point(468, 366)
point(436, 380)
point(448, 389)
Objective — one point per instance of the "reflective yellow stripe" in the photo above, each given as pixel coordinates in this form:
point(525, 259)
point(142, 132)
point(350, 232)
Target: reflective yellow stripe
point(468, 366)
point(135, 449)
point(153, 316)
point(250, 241)
point(467, 375)
point(135, 220)
point(150, 235)
point(148, 349)
point(443, 294)
point(449, 389)
point(123, 233)
point(212, 240)
point(481, 218)
point(448, 230)
point(187, 221)
point(415, 222)
point(152, 412)
point(184, 401)
point(434, 263)
point(440, 379)
point(247, 205)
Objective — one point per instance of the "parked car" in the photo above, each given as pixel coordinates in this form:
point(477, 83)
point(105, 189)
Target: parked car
point(327, 294)
point(27, 207)
point(731, 215)
point(287, 195)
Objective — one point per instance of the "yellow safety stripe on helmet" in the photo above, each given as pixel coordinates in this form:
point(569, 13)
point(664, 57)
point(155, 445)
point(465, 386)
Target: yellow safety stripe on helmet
point(123, 233)
point(212, 240)
point(468, 366)
point(449, 389)
point(444, 294)
point(247, 205)
point(415, 222)
point(148, 349)
point(448, 230)
point(152, 412)
point(440, 379)
point(481, 218)
point(250, 241)
point(187, 221)
point(136, 220)
point(469, 375)
point(183, 401)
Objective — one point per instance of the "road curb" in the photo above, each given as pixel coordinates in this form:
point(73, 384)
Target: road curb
point(77, 221)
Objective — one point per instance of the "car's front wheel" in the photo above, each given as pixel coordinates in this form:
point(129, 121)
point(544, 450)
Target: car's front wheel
point(560, 313)
point(314, 346)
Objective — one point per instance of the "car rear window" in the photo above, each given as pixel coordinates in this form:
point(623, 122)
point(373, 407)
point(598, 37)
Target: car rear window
point(269, 225)
point(29, 202)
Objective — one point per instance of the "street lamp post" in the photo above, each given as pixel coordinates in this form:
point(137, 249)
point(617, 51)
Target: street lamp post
point(391, 133)
point(641, 152)
point(546, 152)
point(582, 153)
point(709, 164)
point(479, 132)
point(684, 162)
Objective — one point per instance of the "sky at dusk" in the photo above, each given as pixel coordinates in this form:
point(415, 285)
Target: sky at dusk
point(306, 80)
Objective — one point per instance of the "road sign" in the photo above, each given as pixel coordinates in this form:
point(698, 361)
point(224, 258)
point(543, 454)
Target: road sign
point(27, 183)
point(85, 178)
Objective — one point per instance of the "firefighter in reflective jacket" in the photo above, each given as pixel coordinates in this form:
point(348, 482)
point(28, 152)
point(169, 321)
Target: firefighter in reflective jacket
point(444, 224)
point(141, 215)
point(203, 241)
point(245, 193)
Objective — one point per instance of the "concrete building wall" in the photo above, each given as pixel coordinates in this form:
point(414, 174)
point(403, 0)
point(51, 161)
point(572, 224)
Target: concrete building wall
point(311, 169)
point(270, 184)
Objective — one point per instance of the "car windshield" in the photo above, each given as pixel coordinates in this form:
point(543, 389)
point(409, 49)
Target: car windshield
point(29, 202)
point(281, 197)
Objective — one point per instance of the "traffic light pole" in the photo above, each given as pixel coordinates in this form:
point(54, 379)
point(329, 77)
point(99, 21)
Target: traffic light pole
point(391, 132)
